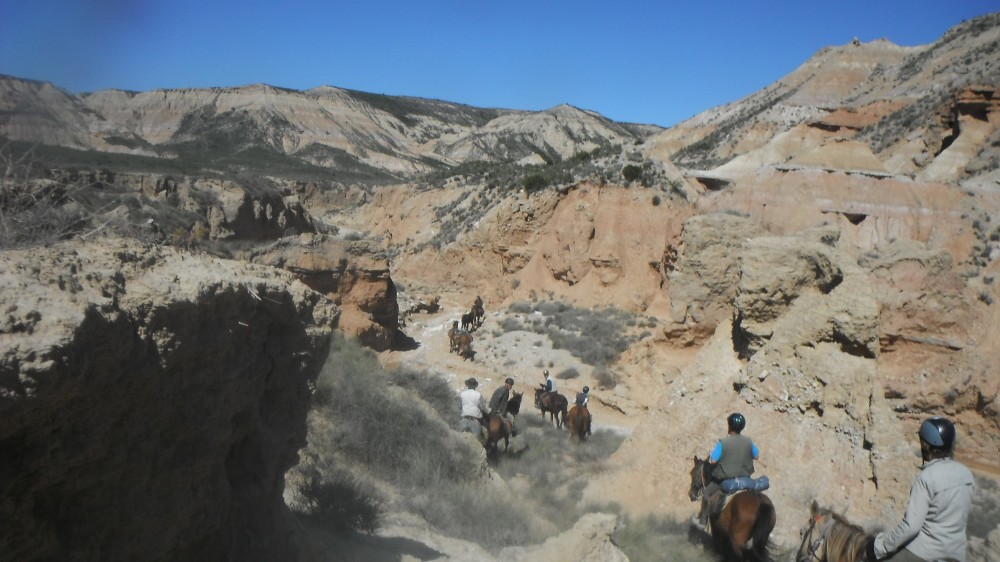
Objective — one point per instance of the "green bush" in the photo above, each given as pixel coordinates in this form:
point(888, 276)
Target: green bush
point(534, 182)
point(631, 172)
point(341, 503)
point(985, 510)
point(604, 377)
point(568, 373)
point(595, 336)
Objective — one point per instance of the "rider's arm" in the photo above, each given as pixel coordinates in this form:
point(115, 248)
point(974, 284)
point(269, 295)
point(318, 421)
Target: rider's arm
point(756, 452)
point(716, 453)
point(913, 520)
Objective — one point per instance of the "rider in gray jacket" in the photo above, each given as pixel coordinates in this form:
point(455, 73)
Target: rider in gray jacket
point(933, 527)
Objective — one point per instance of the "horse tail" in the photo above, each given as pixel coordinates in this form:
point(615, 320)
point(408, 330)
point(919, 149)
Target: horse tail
point(564, 407)
point(762, 527)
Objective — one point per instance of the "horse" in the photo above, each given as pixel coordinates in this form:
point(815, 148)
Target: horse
point(465, 350)
point(578, 422)
point(478, 313)
point(497, 428)
point(453, 336)
point(748, 516)
point(463, 343)
point(553, 403)
point(467, 321)
point(828, 537)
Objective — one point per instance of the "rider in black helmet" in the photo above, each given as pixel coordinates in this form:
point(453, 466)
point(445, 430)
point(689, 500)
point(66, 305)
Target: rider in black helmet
point(933, 527)
point(732, 456)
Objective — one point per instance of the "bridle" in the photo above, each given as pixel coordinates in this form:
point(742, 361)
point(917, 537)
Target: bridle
point(814, 546)
point(701, 475)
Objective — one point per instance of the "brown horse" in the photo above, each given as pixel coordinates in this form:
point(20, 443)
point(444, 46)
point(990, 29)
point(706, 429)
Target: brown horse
point(553, 403)
point(742, 531)
point(828, 537)
point(463, 341)
point(478, 312)
point(578, 421)
point(497, 428)
point(453, 336)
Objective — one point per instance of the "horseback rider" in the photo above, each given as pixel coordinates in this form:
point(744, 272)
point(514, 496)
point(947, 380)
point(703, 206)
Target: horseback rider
point(473, 409)
point(582, 399)
point(731, 457)
point(498, 404)
point(550, 383)
point(934, 525)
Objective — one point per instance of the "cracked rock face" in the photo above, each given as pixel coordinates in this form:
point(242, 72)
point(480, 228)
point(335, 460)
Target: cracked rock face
point(150, 402)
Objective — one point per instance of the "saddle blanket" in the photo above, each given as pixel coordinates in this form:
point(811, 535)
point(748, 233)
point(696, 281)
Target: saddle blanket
point(733, 485)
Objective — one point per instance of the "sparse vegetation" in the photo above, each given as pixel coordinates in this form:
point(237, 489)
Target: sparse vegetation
point(595, 336)
point(435, 470)
point(985, 512)
point(631, 172)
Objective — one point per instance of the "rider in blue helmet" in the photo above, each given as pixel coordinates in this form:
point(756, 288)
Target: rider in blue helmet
point(937, 513)
point(732, 456)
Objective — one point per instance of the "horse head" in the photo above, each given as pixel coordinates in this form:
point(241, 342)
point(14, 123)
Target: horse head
point(829, 537)
point(538, 395)
point(699, 478)
point(813, 536)
point(514, 404)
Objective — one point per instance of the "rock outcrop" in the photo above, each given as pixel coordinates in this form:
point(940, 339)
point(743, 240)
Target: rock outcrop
point(353, 274)
point(150, 402)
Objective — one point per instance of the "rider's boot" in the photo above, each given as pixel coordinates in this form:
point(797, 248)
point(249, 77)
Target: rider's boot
point(700, 521)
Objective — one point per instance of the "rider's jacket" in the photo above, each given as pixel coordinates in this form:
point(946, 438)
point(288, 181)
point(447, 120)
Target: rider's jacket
point(736, 459)
point(933, 527)
point(472, 403)
point(498, 402)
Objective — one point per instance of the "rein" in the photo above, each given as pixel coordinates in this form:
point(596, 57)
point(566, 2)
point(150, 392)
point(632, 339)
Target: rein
point(814, 546)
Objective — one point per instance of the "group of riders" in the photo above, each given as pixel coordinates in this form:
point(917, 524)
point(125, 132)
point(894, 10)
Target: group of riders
point(934, 525)
point(476, 412)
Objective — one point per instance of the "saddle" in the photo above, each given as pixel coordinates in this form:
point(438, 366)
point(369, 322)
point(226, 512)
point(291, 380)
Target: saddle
point(731, 487)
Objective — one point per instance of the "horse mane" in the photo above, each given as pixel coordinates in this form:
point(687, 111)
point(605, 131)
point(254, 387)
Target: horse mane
point(845, 538)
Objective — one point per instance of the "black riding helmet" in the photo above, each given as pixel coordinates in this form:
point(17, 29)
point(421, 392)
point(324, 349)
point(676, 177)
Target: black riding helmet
point(938, 432)
point(736, 422)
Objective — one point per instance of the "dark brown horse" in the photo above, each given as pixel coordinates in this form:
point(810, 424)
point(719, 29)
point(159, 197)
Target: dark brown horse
point(742, 531)
point(828, 537)
point(552, 403)
point(497, 428)
point(578, 422)
point(468, 321)
point(478, 312)
point(463, 340)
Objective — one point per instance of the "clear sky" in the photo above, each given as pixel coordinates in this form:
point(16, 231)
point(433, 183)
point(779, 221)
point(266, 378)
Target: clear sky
point(640, 61)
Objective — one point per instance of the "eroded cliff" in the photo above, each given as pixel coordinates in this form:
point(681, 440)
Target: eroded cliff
point(150, 402)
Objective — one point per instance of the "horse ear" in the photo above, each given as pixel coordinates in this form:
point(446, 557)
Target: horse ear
point(814, 508)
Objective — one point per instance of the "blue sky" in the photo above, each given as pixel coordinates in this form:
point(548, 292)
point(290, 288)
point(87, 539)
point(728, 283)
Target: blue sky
point(639, 61)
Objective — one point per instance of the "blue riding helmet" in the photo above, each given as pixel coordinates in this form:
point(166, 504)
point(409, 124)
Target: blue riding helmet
point(938, 432)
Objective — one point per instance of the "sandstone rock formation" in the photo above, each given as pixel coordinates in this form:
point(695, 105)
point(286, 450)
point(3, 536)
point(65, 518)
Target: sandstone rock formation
point(150, 402)
point(353, 274)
